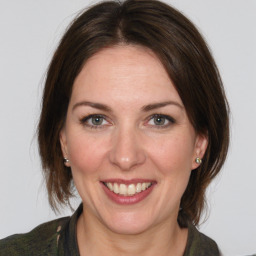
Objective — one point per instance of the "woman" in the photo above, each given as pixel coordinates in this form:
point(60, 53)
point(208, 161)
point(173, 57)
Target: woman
point(134, 114)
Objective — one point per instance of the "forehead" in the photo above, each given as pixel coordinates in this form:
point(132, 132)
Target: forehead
point(124, 72)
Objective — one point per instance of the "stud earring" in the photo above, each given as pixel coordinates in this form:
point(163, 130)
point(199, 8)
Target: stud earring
point(66, 161)
point(198, 160)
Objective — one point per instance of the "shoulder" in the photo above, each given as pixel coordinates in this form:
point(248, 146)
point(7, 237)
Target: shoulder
point(42, 240)
point(200, 244)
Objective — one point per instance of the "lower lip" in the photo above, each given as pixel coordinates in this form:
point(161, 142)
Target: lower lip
point(127, 200)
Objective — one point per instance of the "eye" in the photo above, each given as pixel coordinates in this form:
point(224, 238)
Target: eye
point(161, 120)
point(94, 121)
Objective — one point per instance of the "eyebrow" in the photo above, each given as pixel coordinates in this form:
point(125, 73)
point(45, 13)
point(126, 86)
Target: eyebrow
point(144, 108)
point(93, 105)
point(160, 105)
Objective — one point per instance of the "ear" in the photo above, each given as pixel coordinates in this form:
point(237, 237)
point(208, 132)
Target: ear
point(64, 148)
point(201, 144)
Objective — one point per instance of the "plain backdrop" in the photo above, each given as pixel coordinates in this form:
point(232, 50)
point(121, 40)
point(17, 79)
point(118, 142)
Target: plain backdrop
point(29, 33)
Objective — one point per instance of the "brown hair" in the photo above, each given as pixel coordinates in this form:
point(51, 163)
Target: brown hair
point(184, 54)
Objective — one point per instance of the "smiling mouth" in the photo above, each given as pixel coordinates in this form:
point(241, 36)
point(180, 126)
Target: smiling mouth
point(127, 189)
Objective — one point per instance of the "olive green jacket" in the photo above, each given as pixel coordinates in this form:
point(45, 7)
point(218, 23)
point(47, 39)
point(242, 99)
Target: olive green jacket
point(58, 237)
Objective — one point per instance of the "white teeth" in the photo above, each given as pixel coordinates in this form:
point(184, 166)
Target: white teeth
point(110, 186)
point(131, 190)
point(116, 188)
point(128, 190)
point(122, 189)
point(138, 188)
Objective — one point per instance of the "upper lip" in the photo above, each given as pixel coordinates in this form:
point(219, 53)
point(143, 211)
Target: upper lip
point(127, 182)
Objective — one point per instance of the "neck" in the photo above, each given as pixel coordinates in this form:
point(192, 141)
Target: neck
point(166, 239)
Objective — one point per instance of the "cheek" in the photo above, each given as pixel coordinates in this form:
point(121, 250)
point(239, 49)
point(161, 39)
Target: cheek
point(173, 155)
point(86, 153)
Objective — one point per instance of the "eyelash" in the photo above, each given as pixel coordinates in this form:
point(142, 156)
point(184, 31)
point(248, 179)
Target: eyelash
point(170, 120)
point(84, 121)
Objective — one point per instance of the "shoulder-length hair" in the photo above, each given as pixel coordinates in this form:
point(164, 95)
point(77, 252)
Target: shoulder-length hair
point(186, 58)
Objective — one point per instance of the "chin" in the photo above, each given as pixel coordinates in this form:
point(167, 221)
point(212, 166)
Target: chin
point(128, 228)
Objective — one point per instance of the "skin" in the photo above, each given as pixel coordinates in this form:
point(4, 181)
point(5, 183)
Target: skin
point(128, 143)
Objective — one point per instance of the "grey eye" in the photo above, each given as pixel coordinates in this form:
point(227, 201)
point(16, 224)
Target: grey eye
point(159, 120)
point(97, 120)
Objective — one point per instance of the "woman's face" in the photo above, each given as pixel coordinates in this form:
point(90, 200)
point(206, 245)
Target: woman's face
point(129, 141)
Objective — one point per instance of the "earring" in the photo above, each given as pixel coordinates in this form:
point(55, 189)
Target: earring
point(66, 161)
point(198, 160)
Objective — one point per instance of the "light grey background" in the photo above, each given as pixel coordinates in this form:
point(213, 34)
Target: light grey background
point(29, 33)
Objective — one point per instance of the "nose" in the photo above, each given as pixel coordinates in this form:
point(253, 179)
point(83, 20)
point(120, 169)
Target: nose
point(126, 149)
